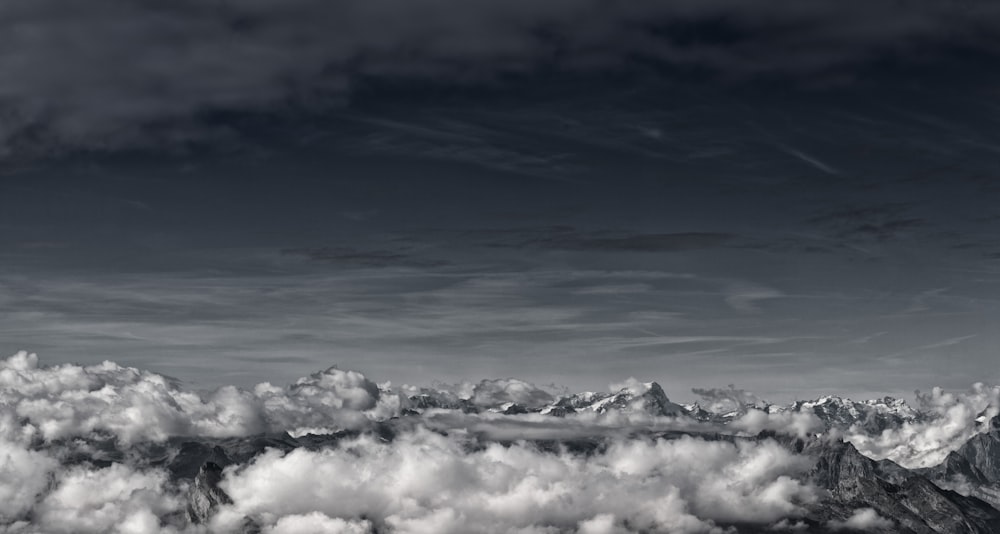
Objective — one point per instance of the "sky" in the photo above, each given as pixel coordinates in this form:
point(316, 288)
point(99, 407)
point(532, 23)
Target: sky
point(797, 198)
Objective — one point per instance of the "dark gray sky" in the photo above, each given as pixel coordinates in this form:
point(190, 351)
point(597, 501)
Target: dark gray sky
point(796, 197)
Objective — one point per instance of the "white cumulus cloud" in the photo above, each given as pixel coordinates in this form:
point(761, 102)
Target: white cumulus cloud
point(863, 519)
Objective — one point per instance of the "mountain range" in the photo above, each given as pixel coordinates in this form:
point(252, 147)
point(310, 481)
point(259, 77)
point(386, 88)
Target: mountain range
point(960, 495)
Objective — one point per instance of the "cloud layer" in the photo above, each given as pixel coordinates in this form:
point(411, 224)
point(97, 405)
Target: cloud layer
point(425, 482)
point(66, 401)
point(107, 73)
point(96, 449)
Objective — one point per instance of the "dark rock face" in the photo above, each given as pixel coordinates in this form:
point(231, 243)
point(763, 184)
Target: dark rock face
point(193, 456)
point(660, 404)
point(982, 453)
point(515, 409)
point(910, 500)
point(205, 495)
point(973, 469)
point(947, 511)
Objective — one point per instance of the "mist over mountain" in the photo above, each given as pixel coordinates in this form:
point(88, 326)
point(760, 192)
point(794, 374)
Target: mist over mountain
point(106, 448)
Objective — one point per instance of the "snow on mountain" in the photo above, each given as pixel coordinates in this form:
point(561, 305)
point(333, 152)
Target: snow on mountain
point(723, 406)
point(631, 397)
point(872, 416)
point(512, 397)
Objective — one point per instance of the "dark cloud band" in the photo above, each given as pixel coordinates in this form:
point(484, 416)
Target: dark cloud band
point(108, 73)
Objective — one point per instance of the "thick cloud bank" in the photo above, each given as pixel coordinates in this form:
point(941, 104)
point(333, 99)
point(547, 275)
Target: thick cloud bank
point(106, 73)
point(863, 519)
point(425, 482)
point(107, 448)
point(68, 401)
